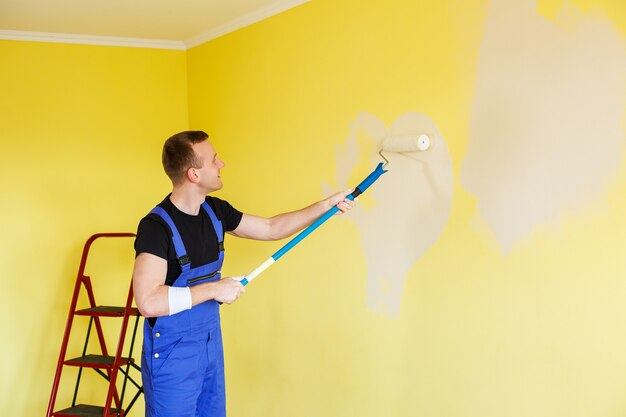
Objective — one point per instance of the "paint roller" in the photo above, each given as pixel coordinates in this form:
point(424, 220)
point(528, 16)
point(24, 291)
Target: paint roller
point(396, 144)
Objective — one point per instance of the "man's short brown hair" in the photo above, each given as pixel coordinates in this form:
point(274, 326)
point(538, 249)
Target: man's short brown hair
point(178, 155)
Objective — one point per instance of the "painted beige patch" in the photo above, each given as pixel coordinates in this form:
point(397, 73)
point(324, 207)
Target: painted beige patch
point(411, 203)
point(545, 126)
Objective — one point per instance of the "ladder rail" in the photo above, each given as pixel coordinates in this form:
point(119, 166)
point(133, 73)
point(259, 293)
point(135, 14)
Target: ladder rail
point(130, 355)
point(117, 363)
point(101, 339)
point(93, 304)
point(80, 370)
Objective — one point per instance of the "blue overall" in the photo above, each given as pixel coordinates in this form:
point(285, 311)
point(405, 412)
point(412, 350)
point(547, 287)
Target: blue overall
point(182, 364)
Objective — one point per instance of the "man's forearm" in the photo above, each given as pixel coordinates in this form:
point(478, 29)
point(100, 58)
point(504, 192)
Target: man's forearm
point(159, 303)
point(286, 224)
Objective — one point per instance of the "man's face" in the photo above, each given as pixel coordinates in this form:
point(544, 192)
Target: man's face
point(209, 174)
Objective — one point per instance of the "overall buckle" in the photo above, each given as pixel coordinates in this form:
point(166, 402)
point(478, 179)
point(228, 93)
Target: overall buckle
point(183, 260)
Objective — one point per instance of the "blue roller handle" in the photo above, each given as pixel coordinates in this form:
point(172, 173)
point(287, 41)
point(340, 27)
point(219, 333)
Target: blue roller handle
point(358, 190)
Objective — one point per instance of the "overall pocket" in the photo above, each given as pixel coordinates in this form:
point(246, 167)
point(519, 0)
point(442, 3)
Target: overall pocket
point(179, 369)
point(197, 280)
point(163, 347)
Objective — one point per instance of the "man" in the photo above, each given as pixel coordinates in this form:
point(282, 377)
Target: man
point(177, 278)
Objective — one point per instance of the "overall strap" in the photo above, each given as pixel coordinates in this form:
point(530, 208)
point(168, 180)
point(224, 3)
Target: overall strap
point(179, 247)
point(217, 225)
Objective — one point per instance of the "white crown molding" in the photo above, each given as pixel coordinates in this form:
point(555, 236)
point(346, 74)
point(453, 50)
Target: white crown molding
point(242, 21)
point(238, 23)
point(16, 35)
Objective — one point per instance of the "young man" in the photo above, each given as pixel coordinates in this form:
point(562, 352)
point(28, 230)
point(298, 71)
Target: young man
point(177, 278)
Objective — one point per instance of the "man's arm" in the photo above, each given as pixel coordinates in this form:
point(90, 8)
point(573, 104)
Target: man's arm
point(152, 295)
point(286, 224)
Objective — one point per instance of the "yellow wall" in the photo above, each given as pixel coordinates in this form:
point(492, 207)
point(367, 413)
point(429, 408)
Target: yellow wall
point(536, 333)
point(81, 130)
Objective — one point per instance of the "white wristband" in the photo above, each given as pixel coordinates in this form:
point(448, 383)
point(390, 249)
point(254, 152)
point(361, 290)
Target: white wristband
point(179, 299)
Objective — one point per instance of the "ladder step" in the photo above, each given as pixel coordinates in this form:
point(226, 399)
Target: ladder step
point(83, 410)
point(108, 311)
point(96, 361)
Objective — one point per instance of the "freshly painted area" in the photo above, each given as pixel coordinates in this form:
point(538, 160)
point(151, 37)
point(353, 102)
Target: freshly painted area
point(546, 133)
point(395, 236)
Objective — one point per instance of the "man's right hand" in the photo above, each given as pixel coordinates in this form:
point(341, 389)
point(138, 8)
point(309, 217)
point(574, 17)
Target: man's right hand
point(227, 290)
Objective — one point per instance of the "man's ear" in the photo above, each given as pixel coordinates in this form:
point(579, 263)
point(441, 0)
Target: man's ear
point(192, 175)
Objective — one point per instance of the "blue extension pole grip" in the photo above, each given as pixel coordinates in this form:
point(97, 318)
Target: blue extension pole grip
point(365, 184)
point(360, 189)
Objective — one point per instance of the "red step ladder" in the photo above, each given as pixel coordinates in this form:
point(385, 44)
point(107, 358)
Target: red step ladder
point(104, 364)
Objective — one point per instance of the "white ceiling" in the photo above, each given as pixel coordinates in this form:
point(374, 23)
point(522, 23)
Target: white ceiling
point(181, 22)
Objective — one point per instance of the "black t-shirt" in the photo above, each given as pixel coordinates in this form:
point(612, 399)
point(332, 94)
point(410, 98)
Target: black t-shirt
point(154, 235)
